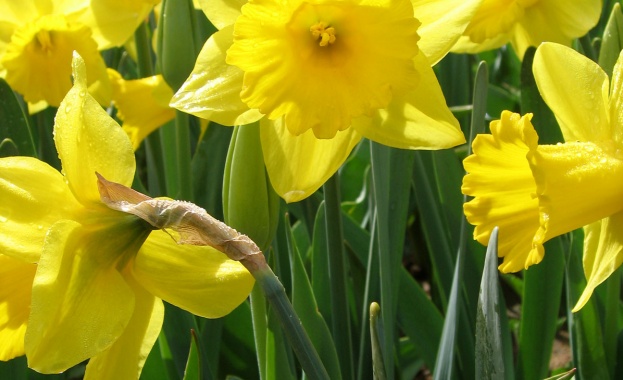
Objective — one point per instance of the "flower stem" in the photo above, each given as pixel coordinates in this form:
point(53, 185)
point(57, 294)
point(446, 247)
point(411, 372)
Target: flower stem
point(290, 322)
point(182, 139)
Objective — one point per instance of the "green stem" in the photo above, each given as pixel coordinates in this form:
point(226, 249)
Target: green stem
point(587, 46)
point(291, 324)
point(182, 142)
point(340, 316)
point(153, 147)
point(258, 316)
point(143, 51)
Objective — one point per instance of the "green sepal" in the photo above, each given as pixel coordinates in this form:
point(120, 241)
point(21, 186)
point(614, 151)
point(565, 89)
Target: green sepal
point(250, 204)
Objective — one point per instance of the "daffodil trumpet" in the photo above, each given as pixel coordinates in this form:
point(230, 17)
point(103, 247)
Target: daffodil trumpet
point(190, 224)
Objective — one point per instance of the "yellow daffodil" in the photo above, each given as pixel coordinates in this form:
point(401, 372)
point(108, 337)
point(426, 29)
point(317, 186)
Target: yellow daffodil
point(143, 104)
point(536, 192)
point(320, 75)
point(526, 23)
point(37, 39)
point(97, 275)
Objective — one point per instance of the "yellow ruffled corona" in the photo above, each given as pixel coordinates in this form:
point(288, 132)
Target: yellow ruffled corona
point(38, 38)
point(80, 280)
point(526, 23)
point(322, 75)
point(536, 192)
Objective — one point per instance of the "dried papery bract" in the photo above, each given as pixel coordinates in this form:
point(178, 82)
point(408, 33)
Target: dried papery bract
point(193, 224)
point(196, 227)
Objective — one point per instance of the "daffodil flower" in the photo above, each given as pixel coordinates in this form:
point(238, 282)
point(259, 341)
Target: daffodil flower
point(320, 76)
point(526, 23)
point(38, 38)
point(143, 104)
point(536, 192)
point(97, 275)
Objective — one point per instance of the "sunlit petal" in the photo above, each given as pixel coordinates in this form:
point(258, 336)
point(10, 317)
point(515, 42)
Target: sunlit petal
point(112, 22)
point(15, 290)
point(143, 104)
point(222, 13)
point(199, 279)
point(34, 196)
point(616, 102)
point(576, 89)
point(603, 253)
point(126, 357)
point(81, 304)
point(577, 184)
point(38, 58)
point(419, 119)
point(557, 21)
point(213, 89)
point(443, 22)
point(321, 84)
point(298, 165)
point(89, 141)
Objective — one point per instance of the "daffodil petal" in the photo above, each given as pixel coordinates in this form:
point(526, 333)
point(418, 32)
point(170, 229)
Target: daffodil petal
point(15, 290)
point(222, 13)
point(14, 13)
point(143, 104)
point(34, 196)
point(616, 101)
point(37, 60)
point(199, 279)
point(80, 302)
point(112, 22)
point(557, 21)
point(443, 22)
point(89, 141)
point(298, 165)
point(603, 253)
point(466, 45)
point(577, 183)
point(576, 89)
point(419, 119)
point(500, 180)
point(212, 91)
point(126, 357)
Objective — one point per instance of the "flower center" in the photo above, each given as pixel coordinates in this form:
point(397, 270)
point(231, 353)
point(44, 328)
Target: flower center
point(324, 32)
point(44, 38)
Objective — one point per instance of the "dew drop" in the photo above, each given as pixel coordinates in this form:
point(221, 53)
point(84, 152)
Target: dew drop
point(40, 227)
point(67, 109)
point(83, 93)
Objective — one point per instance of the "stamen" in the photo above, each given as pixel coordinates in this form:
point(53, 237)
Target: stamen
point(44, 39)
point(323, 31)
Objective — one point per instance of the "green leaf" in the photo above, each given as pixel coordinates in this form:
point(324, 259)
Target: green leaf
point(544, 121)
point(305, 306)
point(564, 376)
point(340, 312)
point(585, 325)
point(193, 365)
point(14, 125)
point(208, 165)
point(419, 318)
point(612, 42)
point(539, 312)
point(489, 345)
point(8, 148)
